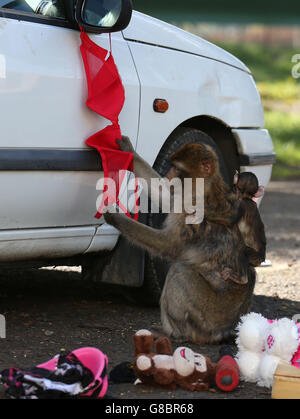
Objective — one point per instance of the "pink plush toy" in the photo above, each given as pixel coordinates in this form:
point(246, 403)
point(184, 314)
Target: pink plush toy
point(262, 343)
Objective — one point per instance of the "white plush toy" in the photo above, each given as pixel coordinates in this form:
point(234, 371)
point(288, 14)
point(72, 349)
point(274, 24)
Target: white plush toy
point(262, 343)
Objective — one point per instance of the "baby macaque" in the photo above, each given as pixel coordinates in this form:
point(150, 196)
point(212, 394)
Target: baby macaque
point(251, 225)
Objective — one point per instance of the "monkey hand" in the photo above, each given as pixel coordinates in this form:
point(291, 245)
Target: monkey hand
point(228, 274)
point(110, 215)
point(125, 144)
point(114, 218)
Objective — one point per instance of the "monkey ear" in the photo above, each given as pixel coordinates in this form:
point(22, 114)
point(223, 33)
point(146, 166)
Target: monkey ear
point(260, 192)
point(236, 178)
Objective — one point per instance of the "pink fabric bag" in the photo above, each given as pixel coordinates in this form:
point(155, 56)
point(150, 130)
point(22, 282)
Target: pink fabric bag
point(78, 374)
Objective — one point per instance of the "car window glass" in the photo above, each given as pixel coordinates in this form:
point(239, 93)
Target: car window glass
point(52, 8)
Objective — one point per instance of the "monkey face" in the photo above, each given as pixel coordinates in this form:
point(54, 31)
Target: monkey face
point(193, 161)
point(177, 171)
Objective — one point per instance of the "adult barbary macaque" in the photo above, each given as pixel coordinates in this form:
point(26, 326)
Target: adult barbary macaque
point(197, 303)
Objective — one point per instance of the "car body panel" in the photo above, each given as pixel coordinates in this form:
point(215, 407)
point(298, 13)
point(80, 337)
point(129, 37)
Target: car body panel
point(193, 86)
point(43, 86)
point(252, 141)
point(19, 245)
point(146, 29)
point(43, 92)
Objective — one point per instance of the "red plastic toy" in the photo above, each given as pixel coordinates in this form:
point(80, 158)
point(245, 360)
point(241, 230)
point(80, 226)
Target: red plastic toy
point(227, 371)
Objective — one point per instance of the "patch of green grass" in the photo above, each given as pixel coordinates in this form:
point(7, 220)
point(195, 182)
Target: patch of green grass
point(285, 132)
point(280, 172)
point(268, 63)
point(284, 90)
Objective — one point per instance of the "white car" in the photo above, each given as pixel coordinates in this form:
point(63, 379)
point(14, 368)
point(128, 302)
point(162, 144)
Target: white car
point(48, 175)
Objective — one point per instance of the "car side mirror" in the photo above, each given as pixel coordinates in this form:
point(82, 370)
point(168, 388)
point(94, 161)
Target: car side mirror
point(100, 16)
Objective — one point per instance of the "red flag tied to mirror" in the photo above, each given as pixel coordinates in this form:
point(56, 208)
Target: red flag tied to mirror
point(106, 96)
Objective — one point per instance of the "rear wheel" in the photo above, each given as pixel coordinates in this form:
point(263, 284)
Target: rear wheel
point(156, 269)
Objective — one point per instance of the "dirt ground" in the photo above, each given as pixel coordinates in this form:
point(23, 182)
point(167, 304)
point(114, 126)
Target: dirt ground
point(47, 310)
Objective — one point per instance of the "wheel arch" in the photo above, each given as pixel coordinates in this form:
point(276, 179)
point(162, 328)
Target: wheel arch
point(222, 135)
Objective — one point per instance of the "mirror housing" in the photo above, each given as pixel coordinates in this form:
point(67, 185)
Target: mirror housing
point(89, 17)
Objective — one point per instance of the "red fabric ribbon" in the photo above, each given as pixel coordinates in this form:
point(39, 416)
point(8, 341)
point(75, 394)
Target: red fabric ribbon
point(106, 97)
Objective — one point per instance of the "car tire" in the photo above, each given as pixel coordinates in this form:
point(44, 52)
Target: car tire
point(156, 269)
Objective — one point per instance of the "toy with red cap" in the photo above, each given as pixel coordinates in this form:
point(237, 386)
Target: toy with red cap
point(227, 370)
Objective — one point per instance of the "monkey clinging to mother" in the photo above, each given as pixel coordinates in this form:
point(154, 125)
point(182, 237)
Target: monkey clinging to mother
point(211, 278)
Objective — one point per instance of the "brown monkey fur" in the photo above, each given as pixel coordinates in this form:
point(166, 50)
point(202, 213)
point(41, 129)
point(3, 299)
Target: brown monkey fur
point(194, 306)
point(251, 225)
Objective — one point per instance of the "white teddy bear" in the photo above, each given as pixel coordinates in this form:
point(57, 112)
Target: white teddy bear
point(262, 343)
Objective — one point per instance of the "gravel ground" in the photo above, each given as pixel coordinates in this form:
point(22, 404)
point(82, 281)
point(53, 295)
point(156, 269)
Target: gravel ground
point(280, 211)
point(50, 309)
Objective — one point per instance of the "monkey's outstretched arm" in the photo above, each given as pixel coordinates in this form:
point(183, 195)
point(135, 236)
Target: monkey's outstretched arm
point(154, 241)
point(141, 167)
point(143, 171)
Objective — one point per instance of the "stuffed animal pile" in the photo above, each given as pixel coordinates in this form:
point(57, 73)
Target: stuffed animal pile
point(163, 368)
point(262, 343)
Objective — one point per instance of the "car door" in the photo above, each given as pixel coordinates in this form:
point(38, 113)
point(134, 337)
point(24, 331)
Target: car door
point(48, 175)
